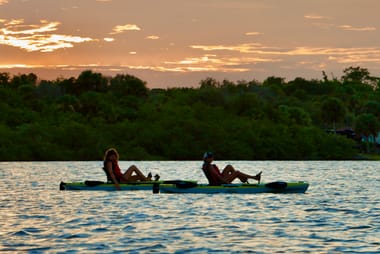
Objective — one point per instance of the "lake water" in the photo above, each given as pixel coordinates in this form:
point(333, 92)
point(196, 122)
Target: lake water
point(340, 213)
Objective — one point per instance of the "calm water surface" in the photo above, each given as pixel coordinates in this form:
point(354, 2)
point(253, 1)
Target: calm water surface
point(340, 213)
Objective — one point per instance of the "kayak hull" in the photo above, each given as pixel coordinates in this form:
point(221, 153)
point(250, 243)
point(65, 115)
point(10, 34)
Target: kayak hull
point(179, 186)
point(274, 187)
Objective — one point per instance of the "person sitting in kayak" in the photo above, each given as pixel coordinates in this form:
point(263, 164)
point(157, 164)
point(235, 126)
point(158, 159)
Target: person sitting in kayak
point(113, 171)
point(228, 175)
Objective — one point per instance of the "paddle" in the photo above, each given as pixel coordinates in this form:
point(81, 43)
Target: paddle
point(180, 184)
point(90, 183)
point(276, 185)
point(93, 183)
point(62, 186)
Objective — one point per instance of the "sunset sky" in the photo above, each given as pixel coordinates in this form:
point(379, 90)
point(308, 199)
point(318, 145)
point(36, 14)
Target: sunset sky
point(175, 43)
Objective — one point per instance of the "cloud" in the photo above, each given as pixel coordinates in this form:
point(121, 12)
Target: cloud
point(153, 37)
point(254, 53)
point(37, 37)
point(341, 27)
point(122, 28)
point(19, 28)
point(211, 62)
point(249, 57)
point(242, 48)
point(252, 33)
point(256, 48)
point(358, 29)
point(315, 17)
point(11, 66)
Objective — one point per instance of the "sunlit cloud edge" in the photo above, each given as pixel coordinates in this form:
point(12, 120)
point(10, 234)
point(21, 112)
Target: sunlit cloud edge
point(123, 28)
point(38, 37)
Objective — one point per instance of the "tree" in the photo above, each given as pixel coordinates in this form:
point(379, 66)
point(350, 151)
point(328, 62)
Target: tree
point(295, 115)
point(359, 75)
point(91, 81)
point(4, 78)
point(368, 126)
point(209, 83)
point(247, 104)
point(128, 85)
point(49, 90)
point(91, 104)
point(69, 103)
point(68, 86)
point(69, 119)
point(24, 79)
point(333, 111)
point(373, 107)
point(274, 81)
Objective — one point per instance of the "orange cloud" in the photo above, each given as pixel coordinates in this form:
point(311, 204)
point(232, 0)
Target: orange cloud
point(251, 54)
point(153, 37)
point(37, 37)
point(358, 29)
point(11, 66)
point(312, 16)
point(16, 27)
point(342, 27)
point(122, 28)
point(252, 33)
point(242, 48)
point(216, 63)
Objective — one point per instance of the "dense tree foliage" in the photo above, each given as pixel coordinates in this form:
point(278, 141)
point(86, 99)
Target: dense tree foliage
point(78, 118)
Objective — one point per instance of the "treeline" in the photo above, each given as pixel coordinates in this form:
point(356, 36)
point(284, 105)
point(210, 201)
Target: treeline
point(78, 118)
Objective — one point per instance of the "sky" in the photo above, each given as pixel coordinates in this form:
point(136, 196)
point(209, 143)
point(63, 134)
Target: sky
point(178, 43)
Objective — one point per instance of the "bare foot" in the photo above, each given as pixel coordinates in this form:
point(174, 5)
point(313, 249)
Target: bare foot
point(258, 176)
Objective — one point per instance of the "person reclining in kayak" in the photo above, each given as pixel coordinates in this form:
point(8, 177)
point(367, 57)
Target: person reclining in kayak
point(228, 175)
point(113, 172)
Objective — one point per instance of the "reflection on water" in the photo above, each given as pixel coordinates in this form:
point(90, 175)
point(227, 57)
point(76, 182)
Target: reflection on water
point(339, 213)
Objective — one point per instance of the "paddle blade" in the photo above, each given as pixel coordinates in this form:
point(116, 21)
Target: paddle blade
point(180, 184)
point(277, 185)
point(62, 186)
point(93, 183)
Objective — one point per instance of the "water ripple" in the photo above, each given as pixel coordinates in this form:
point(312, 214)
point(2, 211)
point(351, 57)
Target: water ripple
point(337, 214)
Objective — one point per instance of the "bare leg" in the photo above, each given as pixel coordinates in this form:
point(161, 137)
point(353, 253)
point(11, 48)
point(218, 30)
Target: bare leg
point(231, 174)
point(134, 174)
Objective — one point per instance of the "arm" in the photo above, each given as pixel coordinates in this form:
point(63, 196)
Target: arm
point(110, 172)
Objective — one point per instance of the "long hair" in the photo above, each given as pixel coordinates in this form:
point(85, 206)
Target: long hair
point(110, 152)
